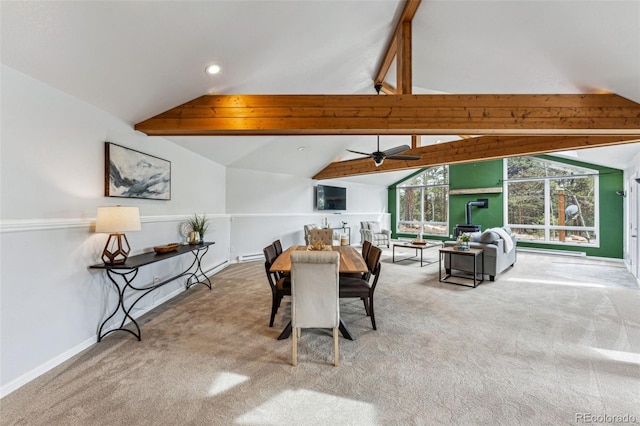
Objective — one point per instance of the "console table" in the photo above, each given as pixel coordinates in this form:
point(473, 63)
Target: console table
point(123, 274)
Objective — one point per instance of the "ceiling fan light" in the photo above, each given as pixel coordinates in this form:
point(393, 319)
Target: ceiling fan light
point(378, 161)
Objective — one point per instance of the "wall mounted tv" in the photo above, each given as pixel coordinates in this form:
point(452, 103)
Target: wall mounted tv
point(331, 198)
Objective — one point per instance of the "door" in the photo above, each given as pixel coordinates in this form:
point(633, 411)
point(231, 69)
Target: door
point(634, 218)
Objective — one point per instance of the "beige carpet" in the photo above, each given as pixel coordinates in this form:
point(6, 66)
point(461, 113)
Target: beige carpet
point(552, 339)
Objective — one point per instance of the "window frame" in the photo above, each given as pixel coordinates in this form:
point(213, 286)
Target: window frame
point(547, 227)
point(422, 222)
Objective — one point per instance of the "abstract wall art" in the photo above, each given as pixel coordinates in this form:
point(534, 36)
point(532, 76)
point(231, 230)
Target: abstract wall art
point(133, 174)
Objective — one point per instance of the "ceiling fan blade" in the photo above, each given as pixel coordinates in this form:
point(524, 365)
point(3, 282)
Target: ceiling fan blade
point(396, 150)
point(361, 153)
point(404, 157)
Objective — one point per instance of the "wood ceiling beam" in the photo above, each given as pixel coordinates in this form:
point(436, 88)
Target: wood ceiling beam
point(388, 89)
point(408, 12)
point(471, 150)
point(404, 80)
point(216, 115)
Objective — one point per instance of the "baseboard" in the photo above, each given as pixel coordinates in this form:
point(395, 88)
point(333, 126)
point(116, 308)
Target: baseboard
point(54, 362)
point(551, 251)
point(41, 369)
point(250, 257)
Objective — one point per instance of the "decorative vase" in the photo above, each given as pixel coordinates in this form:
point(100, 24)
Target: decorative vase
point(194, 237)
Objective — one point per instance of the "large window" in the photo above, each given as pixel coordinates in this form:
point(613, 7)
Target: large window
point(551, 202)
point(423, 203)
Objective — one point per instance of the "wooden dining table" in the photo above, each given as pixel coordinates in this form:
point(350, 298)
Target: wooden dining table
point(351, 261)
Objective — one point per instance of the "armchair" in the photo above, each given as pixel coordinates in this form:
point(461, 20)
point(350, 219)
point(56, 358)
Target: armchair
point(499, 248)
point(335, 237)
point(372, 231)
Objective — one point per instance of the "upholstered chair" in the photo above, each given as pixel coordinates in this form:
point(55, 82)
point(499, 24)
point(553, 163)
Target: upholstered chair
point(314, 295)
point(372, 231)
point(324, 235)
point(307, 232)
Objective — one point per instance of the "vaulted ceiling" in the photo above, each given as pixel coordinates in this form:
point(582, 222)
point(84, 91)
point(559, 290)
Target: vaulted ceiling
point(139, 59)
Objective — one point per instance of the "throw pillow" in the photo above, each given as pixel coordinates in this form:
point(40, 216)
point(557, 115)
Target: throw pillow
point(475, 237)
point(375, 227)
point(488, 237)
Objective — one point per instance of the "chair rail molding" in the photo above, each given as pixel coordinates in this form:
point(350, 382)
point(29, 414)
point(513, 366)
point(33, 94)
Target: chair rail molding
point(43, 224)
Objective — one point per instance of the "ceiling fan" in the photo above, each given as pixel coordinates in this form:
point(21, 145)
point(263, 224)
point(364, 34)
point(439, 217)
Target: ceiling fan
point(392, 153)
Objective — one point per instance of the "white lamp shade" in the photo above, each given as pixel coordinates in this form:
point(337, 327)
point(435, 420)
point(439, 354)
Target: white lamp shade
point(118, 219)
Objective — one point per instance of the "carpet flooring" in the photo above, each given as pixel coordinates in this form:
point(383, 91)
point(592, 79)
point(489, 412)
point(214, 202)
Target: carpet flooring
point(554, 340)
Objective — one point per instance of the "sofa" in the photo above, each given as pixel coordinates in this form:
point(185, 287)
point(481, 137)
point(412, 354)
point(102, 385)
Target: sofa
point(372, 231)
point(498, 253)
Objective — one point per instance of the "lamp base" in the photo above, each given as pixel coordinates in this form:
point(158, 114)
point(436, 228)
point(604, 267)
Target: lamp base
point(116, 250)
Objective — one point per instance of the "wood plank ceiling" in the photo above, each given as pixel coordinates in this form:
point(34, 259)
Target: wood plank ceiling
point(511, 125)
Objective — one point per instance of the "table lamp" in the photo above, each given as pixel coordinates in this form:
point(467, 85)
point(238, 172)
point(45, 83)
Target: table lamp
point(115, 221)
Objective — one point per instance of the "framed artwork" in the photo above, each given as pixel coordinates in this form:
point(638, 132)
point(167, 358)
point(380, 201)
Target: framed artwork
point(133, 174)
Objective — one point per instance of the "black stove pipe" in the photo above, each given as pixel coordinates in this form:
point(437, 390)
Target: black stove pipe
point(482, 203)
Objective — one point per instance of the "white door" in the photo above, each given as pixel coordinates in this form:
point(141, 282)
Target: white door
point(634, 218)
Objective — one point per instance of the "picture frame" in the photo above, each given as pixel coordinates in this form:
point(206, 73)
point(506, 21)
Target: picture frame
point(134, 174)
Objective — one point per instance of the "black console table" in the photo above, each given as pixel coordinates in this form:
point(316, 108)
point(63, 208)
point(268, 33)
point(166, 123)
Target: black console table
point(127, 272)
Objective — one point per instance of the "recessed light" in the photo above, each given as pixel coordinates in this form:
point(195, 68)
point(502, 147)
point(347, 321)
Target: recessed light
point(213, 69)
point(301, 148)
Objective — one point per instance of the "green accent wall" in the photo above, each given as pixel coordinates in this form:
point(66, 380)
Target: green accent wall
point(489, 174)
point(486, 174)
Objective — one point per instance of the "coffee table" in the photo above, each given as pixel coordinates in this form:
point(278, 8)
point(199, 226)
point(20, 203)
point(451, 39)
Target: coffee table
point(416, 247)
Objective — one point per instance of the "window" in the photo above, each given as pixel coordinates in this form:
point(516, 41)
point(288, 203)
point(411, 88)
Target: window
point(423, 203)
point(551, 202)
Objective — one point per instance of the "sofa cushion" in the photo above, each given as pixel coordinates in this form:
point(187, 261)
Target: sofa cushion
point(488, 237)
point(475, 237)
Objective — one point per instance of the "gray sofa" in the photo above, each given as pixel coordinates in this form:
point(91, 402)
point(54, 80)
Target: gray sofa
point(496, 259)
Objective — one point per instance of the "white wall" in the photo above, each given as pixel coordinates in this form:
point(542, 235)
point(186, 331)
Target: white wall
point(268, 206)
point(632, 218)
point(51, 183)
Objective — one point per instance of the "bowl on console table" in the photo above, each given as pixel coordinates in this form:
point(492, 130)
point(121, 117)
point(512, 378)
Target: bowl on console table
point(419, 242)
point(166, 248)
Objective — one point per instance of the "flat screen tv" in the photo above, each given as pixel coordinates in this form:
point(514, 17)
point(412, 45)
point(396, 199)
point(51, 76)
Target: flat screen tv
point(331, 198)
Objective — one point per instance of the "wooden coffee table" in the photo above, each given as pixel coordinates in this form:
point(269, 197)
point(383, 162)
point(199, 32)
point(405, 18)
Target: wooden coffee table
point(416, 247)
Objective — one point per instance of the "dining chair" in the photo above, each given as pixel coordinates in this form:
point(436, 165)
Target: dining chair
point(278, 246)
point(361, 288)
point(366, 246)
point(315, 299)
point(324, 235)
point(280, 285)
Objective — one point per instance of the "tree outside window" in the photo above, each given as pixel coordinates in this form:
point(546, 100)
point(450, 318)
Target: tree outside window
point(423, 203)
point(551, 202)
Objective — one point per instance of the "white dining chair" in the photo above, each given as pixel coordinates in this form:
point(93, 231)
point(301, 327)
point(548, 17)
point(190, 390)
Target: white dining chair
point(315, 294)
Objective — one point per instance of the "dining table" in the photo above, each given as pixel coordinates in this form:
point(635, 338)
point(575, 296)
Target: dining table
point(351, 261)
